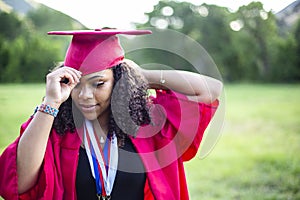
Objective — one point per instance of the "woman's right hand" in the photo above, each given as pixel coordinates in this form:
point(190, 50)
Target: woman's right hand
point(58, 91)
point(33, 142)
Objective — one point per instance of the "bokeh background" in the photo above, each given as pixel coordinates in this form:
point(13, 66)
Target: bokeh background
point(255, 48)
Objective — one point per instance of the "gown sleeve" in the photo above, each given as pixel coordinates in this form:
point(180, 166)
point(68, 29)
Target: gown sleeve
point(9, 176)
point(185, 121)
point(8, 172)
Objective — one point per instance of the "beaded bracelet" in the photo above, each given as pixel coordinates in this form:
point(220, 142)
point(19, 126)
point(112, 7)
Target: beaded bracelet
point(47, 109)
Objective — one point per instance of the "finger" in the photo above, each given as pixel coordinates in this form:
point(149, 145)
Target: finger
point(67, 78)
point(77, 72)
point(71, 75)
point(72, 85)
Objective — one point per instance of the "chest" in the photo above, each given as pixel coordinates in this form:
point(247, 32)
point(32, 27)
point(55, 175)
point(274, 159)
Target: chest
point(130, 178)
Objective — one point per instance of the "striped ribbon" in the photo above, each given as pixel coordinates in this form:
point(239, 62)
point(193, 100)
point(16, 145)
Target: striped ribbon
point(103, 170)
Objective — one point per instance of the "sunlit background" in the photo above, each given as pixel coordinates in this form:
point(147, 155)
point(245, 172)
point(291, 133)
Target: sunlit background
point(121, 14)
point(255, 46)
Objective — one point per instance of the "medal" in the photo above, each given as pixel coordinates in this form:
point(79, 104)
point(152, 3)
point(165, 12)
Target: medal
point(103, 163)
point(100, 197)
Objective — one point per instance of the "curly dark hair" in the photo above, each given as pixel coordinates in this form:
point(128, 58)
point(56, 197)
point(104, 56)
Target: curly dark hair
point(129, 106)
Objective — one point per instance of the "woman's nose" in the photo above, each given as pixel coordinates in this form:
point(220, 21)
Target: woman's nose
point(86, 93)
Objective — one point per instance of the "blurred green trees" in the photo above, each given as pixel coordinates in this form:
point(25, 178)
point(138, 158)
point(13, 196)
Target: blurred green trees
point(26, 52)
point(246, 45)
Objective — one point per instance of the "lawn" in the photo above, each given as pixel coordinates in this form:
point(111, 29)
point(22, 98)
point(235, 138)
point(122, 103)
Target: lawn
point(17, 103)
point(256, 157)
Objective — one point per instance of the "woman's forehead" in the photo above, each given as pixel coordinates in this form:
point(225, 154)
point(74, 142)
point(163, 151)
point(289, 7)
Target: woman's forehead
point(99, 74)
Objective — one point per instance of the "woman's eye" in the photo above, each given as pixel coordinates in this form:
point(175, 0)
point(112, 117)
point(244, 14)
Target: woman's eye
point(98, 84)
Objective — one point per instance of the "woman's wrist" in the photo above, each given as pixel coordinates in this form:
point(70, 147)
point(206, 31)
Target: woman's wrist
point(156, 79)
point(53, 103)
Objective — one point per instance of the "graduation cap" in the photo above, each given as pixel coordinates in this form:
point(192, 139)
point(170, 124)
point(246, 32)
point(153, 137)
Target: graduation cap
point(95, 50)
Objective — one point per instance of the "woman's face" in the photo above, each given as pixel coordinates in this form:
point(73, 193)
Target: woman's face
point(92, 95)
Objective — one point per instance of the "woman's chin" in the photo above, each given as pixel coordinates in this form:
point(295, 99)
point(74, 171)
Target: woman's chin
point(90, 116)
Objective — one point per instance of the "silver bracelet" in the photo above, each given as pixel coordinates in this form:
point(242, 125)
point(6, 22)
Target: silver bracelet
point(162, 80)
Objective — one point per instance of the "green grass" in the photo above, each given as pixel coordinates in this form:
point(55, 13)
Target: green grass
point(257, 156)
point(17, 103)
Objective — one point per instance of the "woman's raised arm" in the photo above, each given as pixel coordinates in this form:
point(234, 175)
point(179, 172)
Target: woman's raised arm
point(32, 145)
point(195, 86)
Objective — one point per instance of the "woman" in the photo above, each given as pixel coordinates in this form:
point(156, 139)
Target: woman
point(116, 141)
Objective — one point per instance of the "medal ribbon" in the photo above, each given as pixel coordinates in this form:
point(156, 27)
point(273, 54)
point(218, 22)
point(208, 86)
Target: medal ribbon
point(103, 163)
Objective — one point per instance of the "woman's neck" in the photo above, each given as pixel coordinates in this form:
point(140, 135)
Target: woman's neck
point(101, 131)
point(100, 128)
point(101, 124)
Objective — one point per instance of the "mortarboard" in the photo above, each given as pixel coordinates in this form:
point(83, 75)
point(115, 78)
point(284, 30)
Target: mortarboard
point(95, 50)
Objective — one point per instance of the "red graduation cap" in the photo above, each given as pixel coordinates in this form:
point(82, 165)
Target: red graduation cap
point(95, 50)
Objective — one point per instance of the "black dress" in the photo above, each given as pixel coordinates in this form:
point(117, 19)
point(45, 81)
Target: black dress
point(130, 177)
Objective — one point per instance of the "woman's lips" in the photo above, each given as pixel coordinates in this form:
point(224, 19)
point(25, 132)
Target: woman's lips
point(87, 108)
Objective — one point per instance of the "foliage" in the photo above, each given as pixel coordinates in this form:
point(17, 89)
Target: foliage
point(29, 60)
point(297, 51)
point(26, 52)
point(246, 45)
point(11, 25)
point(45, 19)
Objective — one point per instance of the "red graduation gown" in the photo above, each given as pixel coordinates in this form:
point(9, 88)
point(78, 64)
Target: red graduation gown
point(174, 137)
